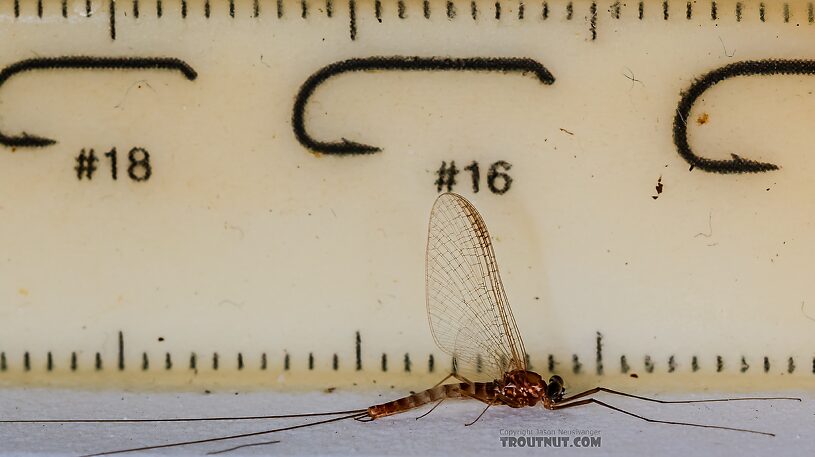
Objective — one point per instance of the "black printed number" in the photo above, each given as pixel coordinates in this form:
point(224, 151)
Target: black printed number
point(498, 179)
point(139, 167)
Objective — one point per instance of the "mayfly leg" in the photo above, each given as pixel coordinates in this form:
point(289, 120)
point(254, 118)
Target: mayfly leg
point(655, 400)
point(589, 401)
point(454, 375)
point(235, 448)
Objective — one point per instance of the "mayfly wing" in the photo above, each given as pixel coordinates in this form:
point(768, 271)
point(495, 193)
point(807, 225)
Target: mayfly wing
point(467, 306)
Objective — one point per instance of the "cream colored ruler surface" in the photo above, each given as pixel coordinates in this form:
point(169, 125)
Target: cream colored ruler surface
point(240, 190)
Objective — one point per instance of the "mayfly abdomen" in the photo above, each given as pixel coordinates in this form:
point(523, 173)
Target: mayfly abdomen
point(480, 390)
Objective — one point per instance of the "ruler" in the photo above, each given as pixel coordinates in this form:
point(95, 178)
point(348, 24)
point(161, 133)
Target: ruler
point(238, 191)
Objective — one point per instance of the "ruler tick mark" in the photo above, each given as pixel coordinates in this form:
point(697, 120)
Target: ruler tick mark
point(714, 11)
point(335, 362)
point(263, 361)
point(232, 9)
point(98, 362)
point(384, 362)
point(303, 9)
point(168, 361)
point(240, 361)
point(451, 10)
point(426, 9)
point(207, 9)
point(665, 10)
point(689, 10)
point(431, 364)
point(112, 20)
point(598, 348)
point(593, 20)
point(65, 8)
point(193, 362)
point(378, 10)
point(280, 9)
point(88, 11)
point(49, 362)
point(358, 350)
point(136, 9)
point(407, 363)
point(215, 361)
point(400, 9)
point(739, 7)
point(474, 10)
point(641, 11)
point(159, 9)
point(145, 362)
point(786, 12)
point(766, 364)
point(121, 352)
point(744, 365)
point(761, 12)
point(649, 364)
point(352, 13)
point(73, 361)
point(256, 8)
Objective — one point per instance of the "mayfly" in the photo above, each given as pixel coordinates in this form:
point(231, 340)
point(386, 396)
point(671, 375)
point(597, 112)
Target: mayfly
point(471, 320)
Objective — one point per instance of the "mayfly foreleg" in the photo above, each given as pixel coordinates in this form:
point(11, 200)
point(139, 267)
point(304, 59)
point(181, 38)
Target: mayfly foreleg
point(655, 400)
point(589, 401)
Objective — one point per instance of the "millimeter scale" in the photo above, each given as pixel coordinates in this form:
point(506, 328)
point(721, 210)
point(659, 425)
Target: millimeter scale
point(237, 191)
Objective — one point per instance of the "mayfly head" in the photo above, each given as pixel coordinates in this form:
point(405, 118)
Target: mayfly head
point(555, 389)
